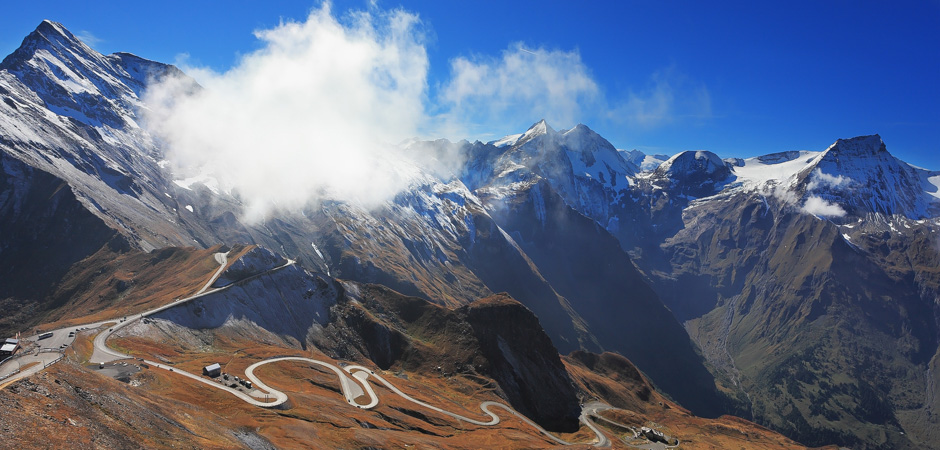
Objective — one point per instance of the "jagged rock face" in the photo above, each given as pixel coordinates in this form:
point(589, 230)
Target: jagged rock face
point(784, 302)
point(523, 360)
point(801, 304)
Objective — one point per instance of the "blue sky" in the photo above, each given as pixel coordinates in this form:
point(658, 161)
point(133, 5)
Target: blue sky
point(739, 78)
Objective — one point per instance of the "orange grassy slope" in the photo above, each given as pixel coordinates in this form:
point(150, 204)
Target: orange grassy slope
point(112, 283)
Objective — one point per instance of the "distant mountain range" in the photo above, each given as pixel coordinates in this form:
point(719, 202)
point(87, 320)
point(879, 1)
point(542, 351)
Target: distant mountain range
point(800, 290)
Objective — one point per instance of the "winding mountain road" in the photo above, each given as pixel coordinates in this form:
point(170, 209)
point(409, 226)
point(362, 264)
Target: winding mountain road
point(354, 380)
point(352, 391)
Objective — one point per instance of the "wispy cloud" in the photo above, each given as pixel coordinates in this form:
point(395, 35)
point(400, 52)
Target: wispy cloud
point(823, 180)
point(668, 97)
point(818, 206)
point(88, 38)
point(556, 85)
point(521, 82)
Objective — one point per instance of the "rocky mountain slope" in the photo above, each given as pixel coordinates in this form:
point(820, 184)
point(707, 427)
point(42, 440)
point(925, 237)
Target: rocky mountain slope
point(804, 277)
point(437, 240)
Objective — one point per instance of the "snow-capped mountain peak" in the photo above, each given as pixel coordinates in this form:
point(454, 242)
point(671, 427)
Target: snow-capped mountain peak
point(593, 156)
point(583, 138)
point(539, 128)
point(48, 35)
point(692, 161)
point(863, 177)
point(74, 80)
point(695, 173)
point(857, 147)
point(72, 112)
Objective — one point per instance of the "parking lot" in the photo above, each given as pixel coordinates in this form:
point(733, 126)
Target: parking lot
point(121, 370)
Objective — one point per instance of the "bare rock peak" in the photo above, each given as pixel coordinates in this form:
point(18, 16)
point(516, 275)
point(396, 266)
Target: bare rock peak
point(859, 146)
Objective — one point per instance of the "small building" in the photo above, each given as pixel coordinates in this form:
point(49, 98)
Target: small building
point(9, 347)
point(212, 370)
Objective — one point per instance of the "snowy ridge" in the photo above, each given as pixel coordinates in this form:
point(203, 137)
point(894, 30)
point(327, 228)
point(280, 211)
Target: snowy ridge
point(70, 111)
point(851, 178)
point(583, 167)
point(506, 141)
point(856, 176)
point(645, 163)
point(688, 162)
point(774, 169)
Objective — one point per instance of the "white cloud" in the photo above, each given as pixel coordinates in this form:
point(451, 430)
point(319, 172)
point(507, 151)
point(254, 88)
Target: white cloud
point(823, 180)
point(781, 193)
point(820, 207)
point(668, 97)
point(309, 115)
point(521, 85)
point(88, 38)
point(528, 83)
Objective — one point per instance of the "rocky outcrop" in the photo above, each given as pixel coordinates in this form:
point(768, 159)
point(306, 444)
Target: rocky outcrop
point(522, 359)
point(255, 261)
point(290, 302)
